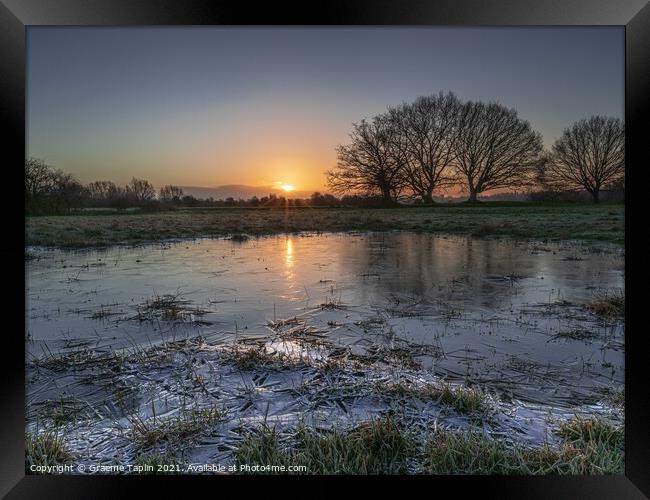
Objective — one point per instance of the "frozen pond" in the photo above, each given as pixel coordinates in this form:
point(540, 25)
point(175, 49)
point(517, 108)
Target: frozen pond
point(481, 301)
point(507, 316)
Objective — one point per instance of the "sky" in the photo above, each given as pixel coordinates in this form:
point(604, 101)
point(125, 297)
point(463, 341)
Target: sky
point(210, 106)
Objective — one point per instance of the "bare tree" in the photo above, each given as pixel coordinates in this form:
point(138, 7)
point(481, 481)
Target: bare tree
point(67, 192)
point(50, 190)
point(101, 191)
point(39, 178)
point(590, 155)
point(494, 148)
point(140, 191)
point(170, 194)
point(425, 133)
point(370, 163)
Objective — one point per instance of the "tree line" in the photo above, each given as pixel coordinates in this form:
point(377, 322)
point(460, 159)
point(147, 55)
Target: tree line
point(50, 190)
point(412, 151)
point(437, 142)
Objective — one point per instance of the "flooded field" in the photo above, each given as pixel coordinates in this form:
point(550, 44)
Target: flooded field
point(183, 348)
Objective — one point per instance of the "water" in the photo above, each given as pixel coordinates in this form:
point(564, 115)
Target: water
point(482, 301)
point(507, 316)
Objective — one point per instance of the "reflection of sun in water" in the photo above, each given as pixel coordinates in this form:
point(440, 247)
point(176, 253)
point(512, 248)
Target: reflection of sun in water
point(288, 253)
point(288, 268)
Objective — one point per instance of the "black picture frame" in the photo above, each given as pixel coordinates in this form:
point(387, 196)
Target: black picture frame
point(17, 15)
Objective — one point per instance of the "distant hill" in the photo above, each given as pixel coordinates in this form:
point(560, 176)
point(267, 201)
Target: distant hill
point(242, 191)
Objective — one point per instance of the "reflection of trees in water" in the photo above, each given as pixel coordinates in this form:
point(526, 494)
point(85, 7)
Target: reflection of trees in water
point(472, 270)
point(582, 272)
point(428, 267)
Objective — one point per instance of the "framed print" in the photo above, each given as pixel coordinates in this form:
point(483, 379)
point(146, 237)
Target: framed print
point(383, 240)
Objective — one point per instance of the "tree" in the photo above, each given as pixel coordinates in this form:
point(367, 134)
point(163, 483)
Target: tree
point(50, 190)
point(494, 148)
point(590, 155)
point(323, 200)
point(425, 133)
point(140, 191)
point(370, 163)
point(101, 192)
point(39, 178)
point(170, 194)
point(117, 197)
point(190, 201)
point(67, 192)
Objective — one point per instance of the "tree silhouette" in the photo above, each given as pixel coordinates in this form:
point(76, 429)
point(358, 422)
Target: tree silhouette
point(371, 162)
point(170, 194)
point(140, 191)
point(590, 155)
point(494, 148)
point(425, 134)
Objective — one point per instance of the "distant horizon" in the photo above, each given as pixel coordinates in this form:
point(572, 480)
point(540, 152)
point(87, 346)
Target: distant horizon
point(207, 107)
point(260, 191)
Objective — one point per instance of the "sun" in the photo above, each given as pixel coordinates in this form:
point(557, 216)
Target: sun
point(287, 188)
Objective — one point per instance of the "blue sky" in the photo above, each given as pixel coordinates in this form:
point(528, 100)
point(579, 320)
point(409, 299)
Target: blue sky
point(209, 106)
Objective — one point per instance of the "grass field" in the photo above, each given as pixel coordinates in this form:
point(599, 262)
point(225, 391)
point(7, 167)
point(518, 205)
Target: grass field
point(544, 221)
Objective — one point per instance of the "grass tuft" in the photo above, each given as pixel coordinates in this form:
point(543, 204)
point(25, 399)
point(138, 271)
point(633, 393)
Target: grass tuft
point(464, 400)
point(150, 463)
point(168, 308)
point(259, 357)
point(378, 446)
point(591, 430)
point(176, 430)
point(45, 448)
point(608, 305)
point(589, 447)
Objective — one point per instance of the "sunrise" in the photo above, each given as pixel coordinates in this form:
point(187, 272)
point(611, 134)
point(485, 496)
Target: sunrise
point(325, 250)
point(207, 107)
